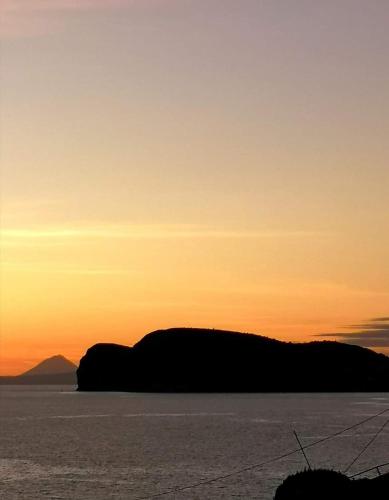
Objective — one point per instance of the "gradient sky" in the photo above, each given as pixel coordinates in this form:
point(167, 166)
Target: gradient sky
point(211, 163)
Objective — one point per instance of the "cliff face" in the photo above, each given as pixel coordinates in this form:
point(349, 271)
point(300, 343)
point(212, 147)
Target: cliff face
point(197, 360)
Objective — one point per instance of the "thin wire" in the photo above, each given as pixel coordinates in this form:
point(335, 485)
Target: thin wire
point(262, 464)
point(376, 467)
point(367, 445)
point(302, 450)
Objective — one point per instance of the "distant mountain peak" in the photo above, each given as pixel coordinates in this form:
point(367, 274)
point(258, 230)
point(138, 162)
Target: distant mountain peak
point(53, 365)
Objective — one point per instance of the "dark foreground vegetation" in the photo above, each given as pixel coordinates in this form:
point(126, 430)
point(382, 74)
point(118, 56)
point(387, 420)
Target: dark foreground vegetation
point(200, 360)
point(331, 485)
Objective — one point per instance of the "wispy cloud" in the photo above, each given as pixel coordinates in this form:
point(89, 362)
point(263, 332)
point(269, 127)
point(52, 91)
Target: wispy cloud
point(372, 333)
point(148, 231)
point(54, 268)
point(58, 5)
point(27, 18)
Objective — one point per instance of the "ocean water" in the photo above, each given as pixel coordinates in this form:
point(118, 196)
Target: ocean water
point(56, 443)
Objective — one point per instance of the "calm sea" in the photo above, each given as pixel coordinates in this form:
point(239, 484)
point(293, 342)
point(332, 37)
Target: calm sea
point(59, 444)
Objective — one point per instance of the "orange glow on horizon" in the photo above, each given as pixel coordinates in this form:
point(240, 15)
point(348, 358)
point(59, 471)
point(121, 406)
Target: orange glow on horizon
point(220, 165)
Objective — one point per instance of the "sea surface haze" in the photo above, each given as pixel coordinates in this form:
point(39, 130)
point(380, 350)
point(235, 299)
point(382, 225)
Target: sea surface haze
point(61, 444)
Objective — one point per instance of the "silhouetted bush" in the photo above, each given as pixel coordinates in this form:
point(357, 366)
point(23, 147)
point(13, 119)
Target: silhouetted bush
point(317, 484)
point(322, 484)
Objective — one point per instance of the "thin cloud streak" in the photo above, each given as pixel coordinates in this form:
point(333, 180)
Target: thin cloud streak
point(32, 18)
point(60, 5)
point(11, 236)
point(368, 326)
point(373, 333)
point(54, 269)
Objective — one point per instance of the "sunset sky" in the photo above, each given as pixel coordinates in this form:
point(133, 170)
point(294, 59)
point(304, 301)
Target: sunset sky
point(210, 163)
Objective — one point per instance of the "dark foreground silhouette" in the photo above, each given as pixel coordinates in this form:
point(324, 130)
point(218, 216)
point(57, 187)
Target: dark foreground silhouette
point(331, 485)
point(200, 360)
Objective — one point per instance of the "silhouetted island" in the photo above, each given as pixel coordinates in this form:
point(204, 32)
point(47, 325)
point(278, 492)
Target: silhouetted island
point(202, 360)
